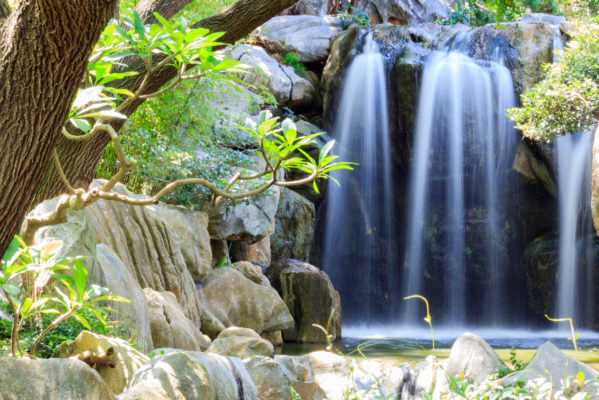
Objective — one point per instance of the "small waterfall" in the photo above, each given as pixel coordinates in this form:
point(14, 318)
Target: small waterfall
point(575, 250)
point(359, 213)
point(464, 146)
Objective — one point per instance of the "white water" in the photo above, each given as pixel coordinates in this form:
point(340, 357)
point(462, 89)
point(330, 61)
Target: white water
point(464, 146)
point(575, 263)
point(359, 212)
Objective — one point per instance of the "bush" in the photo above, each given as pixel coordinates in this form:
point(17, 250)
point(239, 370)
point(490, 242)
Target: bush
point(351, 16)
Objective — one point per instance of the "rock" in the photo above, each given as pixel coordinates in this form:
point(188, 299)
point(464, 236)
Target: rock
point(368, 379)
point(224, 297)
point(552, 364)
point(294, 227)
point(252, 272)
point(274, 377)
point(473, 357)
point(276, 338)
point(191, 376)
point(121, 280)
point(114, 359)
point(310, 297)
point(169, 325)
point(284, 83)
point(310, 7)
point(220, 252)
point(403, 12)
point(242, 343)
point(533, 168)
point(308, 36)
point(52, 379)
point(248, 220)
point(540, 267)
point(164, 247)
point(258, 252)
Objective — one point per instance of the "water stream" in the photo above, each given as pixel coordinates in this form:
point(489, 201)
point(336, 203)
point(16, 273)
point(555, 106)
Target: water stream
point(359, 212)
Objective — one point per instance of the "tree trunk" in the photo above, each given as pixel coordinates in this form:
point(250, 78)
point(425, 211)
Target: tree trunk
point(80, 159)
point(44, 51)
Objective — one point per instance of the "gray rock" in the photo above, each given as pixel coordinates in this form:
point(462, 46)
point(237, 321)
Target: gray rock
point(224, 296)
point(308, 36)
point(284, 83)
point(310, 297)
point(294, 227)
point(309, 7)
point(249, 220)
point(169, 325)
point(191, 376)
point(403, 12)
point(252, 271)
point(242, 343)
point(52, 379)
point(474, 357)
point(552, 364)
point(258, 252)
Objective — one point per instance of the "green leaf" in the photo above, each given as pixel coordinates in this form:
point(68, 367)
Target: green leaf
point(82, 321)
point(81, 124)
point(138, 25)
point(12, 290)
point(80, 277)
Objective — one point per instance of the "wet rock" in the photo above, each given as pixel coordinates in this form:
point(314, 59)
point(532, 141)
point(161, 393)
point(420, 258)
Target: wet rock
point(473, 357)
point(540, 266)
point(192, 376)
point(224, 295)
point(294, 227)
point(308, 36)
point(52, 379)
point(310, 297)
point(169, 325)
point(284, 83)
point(114, 359)
point(242, 343)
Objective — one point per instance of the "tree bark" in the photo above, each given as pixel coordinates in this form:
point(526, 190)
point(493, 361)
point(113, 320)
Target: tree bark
point(166, 8)
point(80, 159)
point(4, 9)
point(44, 51)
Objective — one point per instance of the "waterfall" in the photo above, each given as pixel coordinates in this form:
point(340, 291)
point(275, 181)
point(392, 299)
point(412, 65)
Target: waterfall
point(359, 213)
point(464, 146)
point(575, 255)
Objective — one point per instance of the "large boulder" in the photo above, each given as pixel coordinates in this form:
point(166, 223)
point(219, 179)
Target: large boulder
point(258, 252)
point(191, 376)
point(248, 220)
point(294, 227)
point(473, 357)
point(553, 365)
point(242, 343)
point(403, 12)
point(310, 7)
point(252, 271)
point(228, 299)
point(52, 379)
point(310, 297)
point(169, 325)
point(282, 81)
point(162, 247)
point(308, 36)
point(114, 359)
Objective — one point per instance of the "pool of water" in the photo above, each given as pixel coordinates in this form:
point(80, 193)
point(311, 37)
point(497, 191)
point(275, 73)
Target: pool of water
point(413, 345)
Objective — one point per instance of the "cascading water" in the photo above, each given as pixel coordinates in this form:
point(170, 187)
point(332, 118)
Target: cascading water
point(575, 255)
point(464, 146)
point(359, 213)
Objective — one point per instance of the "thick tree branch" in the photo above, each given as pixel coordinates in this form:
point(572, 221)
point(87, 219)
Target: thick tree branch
point(166, 8)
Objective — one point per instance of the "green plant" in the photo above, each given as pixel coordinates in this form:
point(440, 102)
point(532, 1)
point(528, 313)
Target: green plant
point(569, 320)
point(516, 365)
point(294, 394)
point(351, 16)
point(427, 318)
point(292, 59)
point(44, 292)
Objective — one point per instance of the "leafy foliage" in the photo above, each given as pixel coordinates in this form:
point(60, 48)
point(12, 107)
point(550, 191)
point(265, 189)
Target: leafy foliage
point(566, 101)
point(45, 298)
point(351, 16)
point(292, 59)
point(481, 12)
